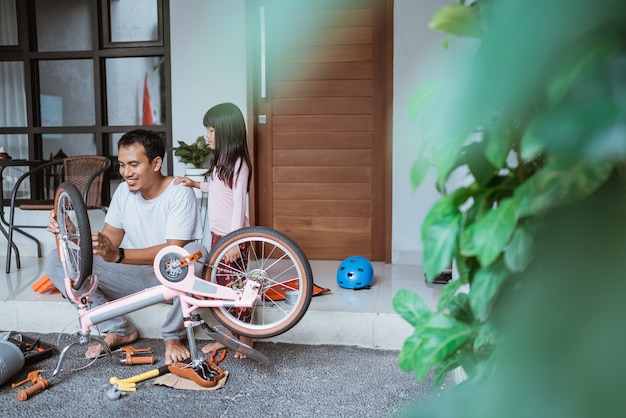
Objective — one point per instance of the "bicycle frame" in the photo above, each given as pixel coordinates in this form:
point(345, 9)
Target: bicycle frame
point(193, 292)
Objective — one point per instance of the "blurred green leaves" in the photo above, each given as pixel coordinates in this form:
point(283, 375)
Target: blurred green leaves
point(534, 124)
point(457, 20)
point(436, 336)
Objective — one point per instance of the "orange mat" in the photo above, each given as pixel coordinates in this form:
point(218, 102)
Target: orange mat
point(44, 285)
point(278, 292)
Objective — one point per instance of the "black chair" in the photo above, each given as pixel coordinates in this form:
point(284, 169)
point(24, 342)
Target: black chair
point(86, 172)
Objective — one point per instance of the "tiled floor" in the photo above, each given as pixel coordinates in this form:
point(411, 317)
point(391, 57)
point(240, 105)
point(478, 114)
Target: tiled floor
point(346, 317)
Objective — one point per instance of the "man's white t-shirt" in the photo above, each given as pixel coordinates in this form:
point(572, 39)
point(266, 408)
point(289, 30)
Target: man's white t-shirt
point(174, 214)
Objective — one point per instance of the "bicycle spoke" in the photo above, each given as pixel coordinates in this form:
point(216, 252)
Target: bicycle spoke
point(73, 220)
point(274, 261)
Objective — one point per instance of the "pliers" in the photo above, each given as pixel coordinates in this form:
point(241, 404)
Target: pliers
point(130, 355)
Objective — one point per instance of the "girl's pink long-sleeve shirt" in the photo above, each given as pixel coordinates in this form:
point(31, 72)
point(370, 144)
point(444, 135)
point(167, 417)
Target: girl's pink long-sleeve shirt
point(227, 207)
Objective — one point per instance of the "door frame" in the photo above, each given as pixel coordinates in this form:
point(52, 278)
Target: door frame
point(384, 107)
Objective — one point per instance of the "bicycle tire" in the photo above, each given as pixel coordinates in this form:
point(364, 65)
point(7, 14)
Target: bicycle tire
point(74, 237)
point(270, 317)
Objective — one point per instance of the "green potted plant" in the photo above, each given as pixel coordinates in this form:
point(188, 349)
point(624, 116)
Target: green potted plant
point(195, 154)
point(532, 145)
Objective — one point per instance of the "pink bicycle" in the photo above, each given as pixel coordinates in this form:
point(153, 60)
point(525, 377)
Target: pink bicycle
point(268, 261)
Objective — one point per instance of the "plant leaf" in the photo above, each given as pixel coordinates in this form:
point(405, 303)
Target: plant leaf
point(478, 164)
point(498, 144)
point(486, 337)
point(419, 169)
point(561, 181)
point(441, 338)
point(435, 339)
point(442, 369)
point(460, 309)
point(441, 237)
point(492, 232)
point(195, 153)
point(456, 20)
point(446, 153)
point(410, 306)
point(409, 355)
point(446, 206)
point(582, 56)
point(485, 286)
point(421, 99)
point(519, 252)
point(447, 293)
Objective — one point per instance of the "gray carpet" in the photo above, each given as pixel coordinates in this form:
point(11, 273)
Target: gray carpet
point(326, 381)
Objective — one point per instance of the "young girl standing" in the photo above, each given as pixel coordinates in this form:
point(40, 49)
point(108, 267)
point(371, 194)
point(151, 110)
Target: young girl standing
point(230, 171)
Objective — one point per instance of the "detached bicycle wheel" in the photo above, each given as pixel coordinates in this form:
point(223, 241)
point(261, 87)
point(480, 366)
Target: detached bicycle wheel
point(74, 238)
point(278, 265)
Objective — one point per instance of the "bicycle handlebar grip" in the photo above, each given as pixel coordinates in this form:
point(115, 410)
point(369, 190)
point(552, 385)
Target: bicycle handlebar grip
point(132, 360)
point(23, 394)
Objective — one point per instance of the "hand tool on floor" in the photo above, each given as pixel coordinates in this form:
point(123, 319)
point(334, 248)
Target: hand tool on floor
point(38, 383)
point(137, 355)
point(130, 381)
point(122, 386)
point(115, 392)
point(205, 373)
point(131, 356)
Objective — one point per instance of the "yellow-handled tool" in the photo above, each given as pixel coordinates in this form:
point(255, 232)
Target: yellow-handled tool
point(139, 377)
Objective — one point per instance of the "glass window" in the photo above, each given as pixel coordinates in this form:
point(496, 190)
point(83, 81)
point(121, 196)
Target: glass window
point(12, 94)
point(133, 91)
point(114, 139)
point(15, 145)
point(59, 146)
point(66, 88)
point(8, 23)
point(63, 25)
point(134, 20)
point(115, 177)
point(68, 145)
point(91, 65)
point(17, 148)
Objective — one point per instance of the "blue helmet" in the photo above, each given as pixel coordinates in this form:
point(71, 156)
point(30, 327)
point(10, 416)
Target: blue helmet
point(355, 272)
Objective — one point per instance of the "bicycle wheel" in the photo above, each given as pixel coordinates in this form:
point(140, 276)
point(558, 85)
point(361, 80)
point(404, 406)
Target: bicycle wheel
point(74, 238)
point(276, 262)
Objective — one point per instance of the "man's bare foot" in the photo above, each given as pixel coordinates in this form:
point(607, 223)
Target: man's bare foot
point(175, 351)
point(247, 341)
point(113, 341)
point(214, 346)
point(211, 347)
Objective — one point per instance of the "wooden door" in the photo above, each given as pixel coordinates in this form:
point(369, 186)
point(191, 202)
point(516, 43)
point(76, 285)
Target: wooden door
point(321, 80)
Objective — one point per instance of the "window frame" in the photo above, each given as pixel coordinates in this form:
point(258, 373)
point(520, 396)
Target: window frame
point(26, 52)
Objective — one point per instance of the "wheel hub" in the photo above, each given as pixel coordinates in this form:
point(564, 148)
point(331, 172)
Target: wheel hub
point(261, 277)
point(171, 269)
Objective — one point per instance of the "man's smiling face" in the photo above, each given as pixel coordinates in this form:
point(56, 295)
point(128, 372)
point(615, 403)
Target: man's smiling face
point(139, 173)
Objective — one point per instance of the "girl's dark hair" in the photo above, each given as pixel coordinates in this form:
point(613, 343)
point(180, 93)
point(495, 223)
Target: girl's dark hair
point(152, 142)
point(231, 141)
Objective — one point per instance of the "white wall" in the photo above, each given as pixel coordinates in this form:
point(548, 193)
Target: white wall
point(208, 63)
point(209, 67)
point(418, 56)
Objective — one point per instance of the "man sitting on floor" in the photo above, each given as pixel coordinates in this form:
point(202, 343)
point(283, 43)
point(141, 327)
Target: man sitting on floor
point(148, 211)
